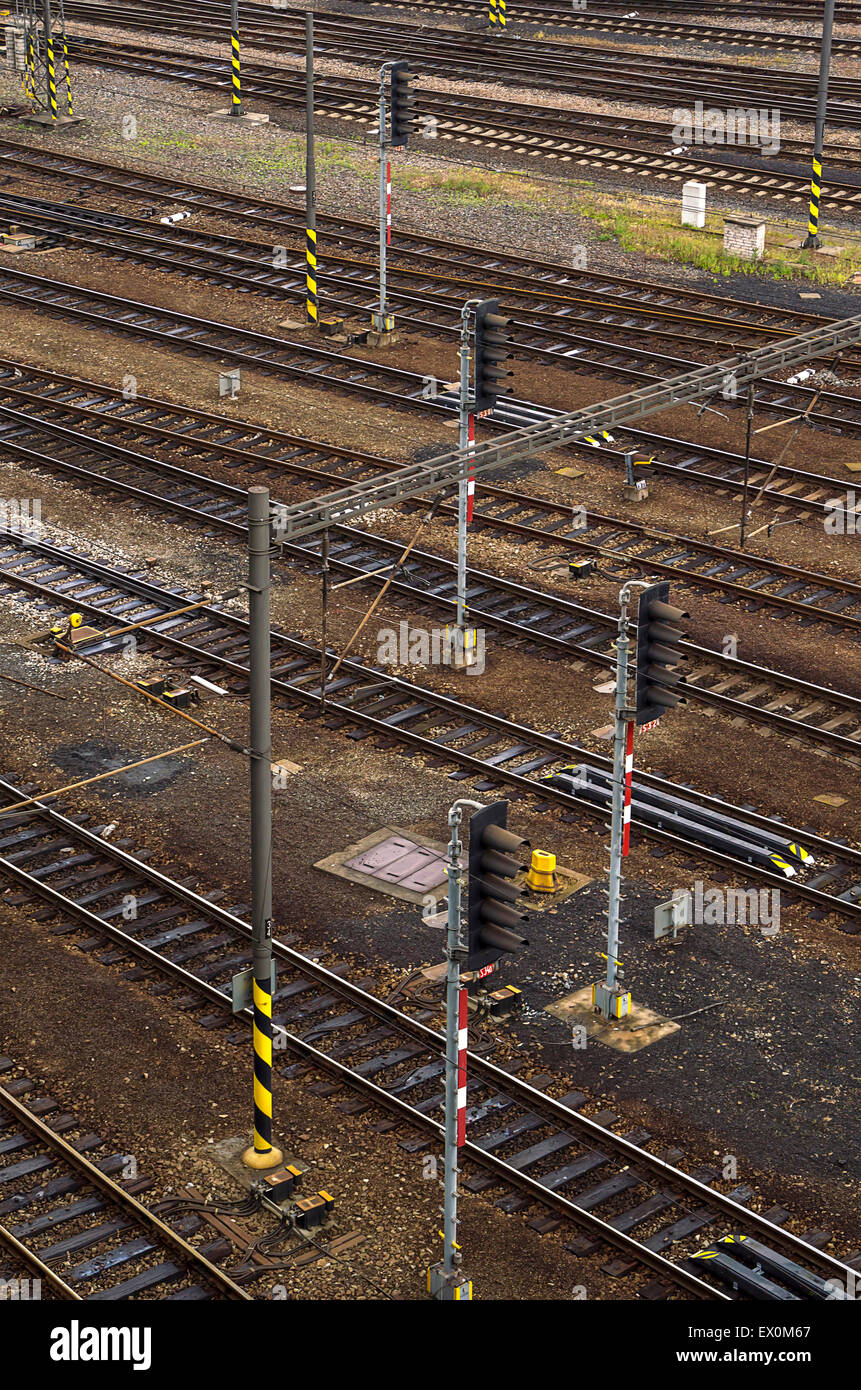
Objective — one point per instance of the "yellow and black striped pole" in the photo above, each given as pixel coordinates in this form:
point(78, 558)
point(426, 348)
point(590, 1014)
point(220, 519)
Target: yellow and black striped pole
point(52, 76)
point(491, 14)
point(28, 77)
point(311, 295)
point(66, 61)
point(235, 73)
point(812, 238)
point(261, 1154)
point(31, 66)
point(811, 241)
point(263, 1072)
point(312, 298)
point(500, 4)
point(68, 77)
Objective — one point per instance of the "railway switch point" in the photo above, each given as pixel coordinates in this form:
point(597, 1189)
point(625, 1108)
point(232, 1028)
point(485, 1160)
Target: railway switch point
point(14, 241)
point(152, 685)
point(542, 876)
point(181, 698)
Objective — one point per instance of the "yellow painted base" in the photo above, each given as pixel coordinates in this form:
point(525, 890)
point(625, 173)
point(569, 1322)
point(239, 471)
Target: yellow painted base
point(252, 1159)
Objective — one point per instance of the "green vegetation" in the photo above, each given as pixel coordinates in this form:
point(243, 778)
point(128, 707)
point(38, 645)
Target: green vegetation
point(655, 231)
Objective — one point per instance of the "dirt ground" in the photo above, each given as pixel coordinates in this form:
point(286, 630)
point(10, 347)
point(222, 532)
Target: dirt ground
point(765, 1074)
point(763, 1105)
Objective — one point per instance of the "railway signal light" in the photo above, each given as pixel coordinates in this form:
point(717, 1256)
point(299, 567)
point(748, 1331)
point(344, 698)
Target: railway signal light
point(495, 858)
point(492, 346)
point(403, 117)
point(659, 654)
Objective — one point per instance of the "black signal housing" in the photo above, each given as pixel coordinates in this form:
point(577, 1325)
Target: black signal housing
point(495, 858)
point(401, 101)
point(492, 348)
point(659, 654)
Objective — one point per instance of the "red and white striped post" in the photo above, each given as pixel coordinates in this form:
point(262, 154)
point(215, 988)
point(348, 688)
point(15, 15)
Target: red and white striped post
point(388, 202)
point(445, 1280)
point(462, 1043)
point(629, 778)
point(470, 482)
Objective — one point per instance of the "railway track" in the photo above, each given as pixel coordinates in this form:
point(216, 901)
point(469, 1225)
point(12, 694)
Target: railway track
point(411, 253)
point(526, 1149)
point(56, 1178)
point(550, 328)
point(213, 643)
point(643, 23)
point(568, 138)
point(189, 439)
point(52, 432)
point(805, 491)
point(610, 73)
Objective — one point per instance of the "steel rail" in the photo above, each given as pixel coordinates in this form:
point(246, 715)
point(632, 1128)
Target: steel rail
point(538, 131)
point(528, 633)
point(531, 273)
point(554, 427)
point(550, 538)
point(185, 252)
point(567, 753)
point(44, 1272)
point(267, 84)
point(117, 1195)
point(178, 253)
point(539, 1101)
point(594, 1224)
point(541, 62)
point(614, 20)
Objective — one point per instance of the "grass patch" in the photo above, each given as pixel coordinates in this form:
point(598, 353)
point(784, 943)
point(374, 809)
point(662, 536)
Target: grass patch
point(656, 231)
point(467, 186)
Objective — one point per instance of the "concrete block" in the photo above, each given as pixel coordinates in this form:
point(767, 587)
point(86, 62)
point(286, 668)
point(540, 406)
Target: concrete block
point(693, 204)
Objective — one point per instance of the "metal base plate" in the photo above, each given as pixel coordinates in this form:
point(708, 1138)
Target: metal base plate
point(227, 1154)
point(248, 118)
point(642, 1026)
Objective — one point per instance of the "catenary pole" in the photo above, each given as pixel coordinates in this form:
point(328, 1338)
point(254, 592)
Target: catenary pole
point(235, 73)
point(812, 238)
point(50, 72)
point(465, 437)
point(262, 1154)
point(312, 297)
